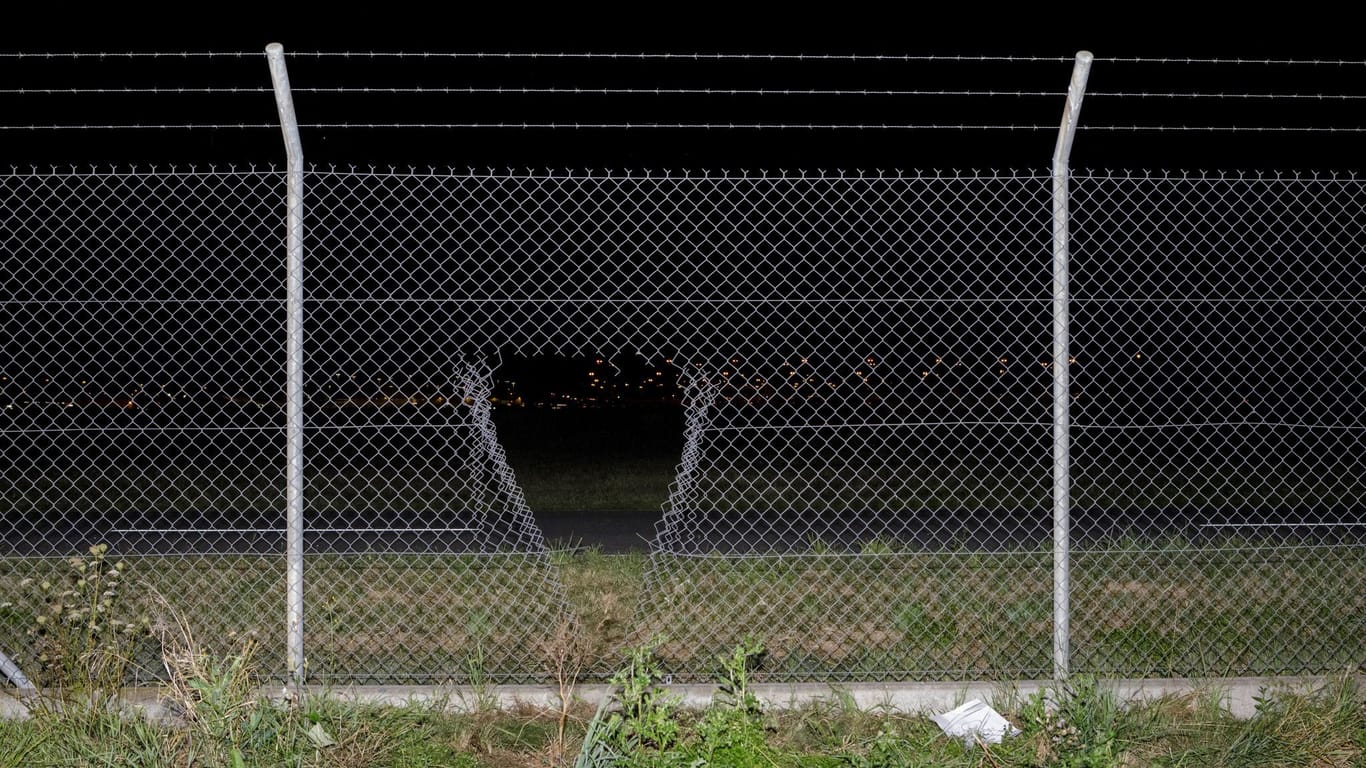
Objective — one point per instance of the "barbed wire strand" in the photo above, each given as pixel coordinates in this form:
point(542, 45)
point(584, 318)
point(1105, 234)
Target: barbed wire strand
point(536, 90)
point(531, 126)
point(529, 55)
point(697, 126)
point(127, 54)
point(574, 91)
point(697, 56)
point(167, 90)
point(1233, 61)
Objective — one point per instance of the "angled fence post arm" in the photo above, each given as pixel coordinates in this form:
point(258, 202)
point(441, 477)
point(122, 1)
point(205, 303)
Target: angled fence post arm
point(294, 366)
point(1062, 420)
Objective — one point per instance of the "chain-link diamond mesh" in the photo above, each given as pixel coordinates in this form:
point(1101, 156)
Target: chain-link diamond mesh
point(1218, 406)
point(140, 382)
point(866, 480)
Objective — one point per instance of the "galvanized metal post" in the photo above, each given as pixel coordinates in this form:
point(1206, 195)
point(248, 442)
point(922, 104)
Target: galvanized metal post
point(294, 365)
point(1062, 419)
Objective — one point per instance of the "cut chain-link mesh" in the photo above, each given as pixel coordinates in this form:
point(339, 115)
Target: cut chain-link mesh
point(866, 481)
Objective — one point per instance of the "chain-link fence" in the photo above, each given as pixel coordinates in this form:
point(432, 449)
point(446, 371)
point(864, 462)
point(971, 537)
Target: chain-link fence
point(866, 483)
point(141, 394)
point(1217, 424)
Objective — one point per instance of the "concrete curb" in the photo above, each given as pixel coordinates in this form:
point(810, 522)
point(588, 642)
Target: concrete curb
point(1237, 693)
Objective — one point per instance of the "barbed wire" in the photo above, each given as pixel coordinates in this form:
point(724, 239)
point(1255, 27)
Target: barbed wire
point(698, 56)
point(1204, 95)
point(519, 90)
point(168, 90)
point(532, 90)
point(1226, 128)
point(698, 91)
point(539, 126)
point(135, 126)
point(693, 126)
point(1234, 61)
point(127, 54)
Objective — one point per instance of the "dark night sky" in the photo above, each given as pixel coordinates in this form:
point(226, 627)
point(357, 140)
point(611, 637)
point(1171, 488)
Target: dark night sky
point(408, 30)
point(689, 29)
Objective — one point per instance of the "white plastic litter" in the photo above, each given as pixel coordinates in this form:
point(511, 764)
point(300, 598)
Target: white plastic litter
point(975, 721)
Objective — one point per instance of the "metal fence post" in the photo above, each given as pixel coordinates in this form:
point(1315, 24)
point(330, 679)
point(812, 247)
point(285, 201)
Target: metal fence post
point(1062, 420)
point(294, 366)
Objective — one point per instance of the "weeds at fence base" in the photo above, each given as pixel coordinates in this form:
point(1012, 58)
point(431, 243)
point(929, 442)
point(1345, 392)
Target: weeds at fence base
point(1077, 725)
point(960, 615)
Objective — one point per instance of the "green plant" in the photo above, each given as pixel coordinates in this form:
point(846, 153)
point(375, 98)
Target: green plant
point(646, 720)
point(595, 750)
point(86, 632)
point(920, 628)
point(1081, 730)
point(885, 750)
point(19, 744)
point(216, 695)
point(479, 626)
point(484, 698)
point(737, 675)
point(878, 545)
point(731, 731)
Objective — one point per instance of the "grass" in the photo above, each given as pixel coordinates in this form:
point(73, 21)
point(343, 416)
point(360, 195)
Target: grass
point(1173, 609)
point(215, 715)
point(1076, 726)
